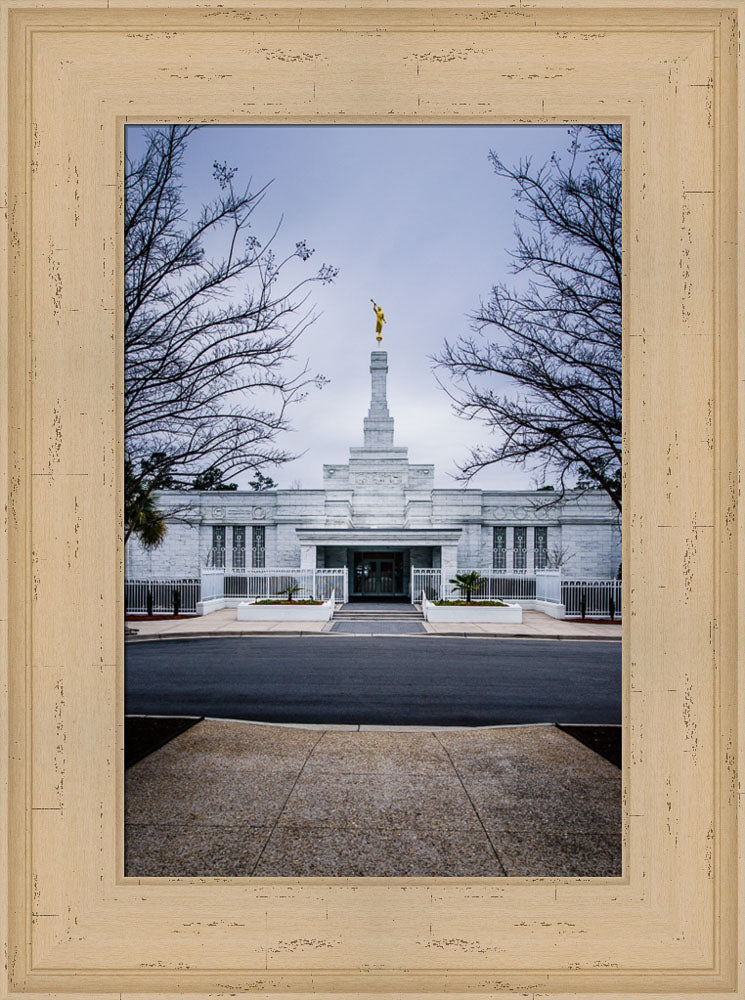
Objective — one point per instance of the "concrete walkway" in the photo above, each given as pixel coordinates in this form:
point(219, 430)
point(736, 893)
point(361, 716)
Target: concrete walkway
point(236, 799)
point(535, 624)
point(219, 623)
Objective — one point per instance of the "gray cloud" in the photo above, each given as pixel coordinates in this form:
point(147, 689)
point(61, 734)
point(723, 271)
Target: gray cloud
point(414, 217)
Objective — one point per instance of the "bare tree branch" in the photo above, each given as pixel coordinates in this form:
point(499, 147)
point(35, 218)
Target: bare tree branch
point(557, 336)
point(209, 337)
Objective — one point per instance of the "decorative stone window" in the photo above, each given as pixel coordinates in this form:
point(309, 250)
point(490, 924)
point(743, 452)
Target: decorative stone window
point(239, 546)
point(258, 545)
point(540, 548)
point(520, 547)
point(218, 545)
point(499, 550)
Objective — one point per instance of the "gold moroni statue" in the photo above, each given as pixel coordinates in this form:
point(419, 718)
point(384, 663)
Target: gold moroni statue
point(379, 322)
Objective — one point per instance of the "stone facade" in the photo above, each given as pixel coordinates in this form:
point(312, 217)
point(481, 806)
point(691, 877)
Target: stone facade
point(379, 513)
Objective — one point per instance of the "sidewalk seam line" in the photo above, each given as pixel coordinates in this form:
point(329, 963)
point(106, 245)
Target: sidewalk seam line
point(284, 804)
point(473, 805)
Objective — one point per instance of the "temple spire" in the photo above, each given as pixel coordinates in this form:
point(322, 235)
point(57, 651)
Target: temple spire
point(378, 423)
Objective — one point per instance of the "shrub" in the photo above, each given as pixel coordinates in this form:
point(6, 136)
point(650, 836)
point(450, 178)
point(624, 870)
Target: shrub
point(291, 589)
point(466, 583)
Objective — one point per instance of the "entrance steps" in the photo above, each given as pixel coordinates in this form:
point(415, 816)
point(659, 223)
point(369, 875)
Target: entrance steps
point(378, 613)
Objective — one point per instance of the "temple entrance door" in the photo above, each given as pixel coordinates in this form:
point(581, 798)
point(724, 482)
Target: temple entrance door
point(378, 575)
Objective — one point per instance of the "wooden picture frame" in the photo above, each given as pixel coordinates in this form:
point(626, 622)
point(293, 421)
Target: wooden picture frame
point(75, 74)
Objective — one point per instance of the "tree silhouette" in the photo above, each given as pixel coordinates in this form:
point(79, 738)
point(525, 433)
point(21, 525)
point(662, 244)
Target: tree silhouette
point(556, 336)
point(211, 322)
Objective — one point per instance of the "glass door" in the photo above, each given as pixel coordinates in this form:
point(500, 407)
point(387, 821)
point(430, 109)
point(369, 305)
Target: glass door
point(378, 574)
point(385, 576)
point(369, 577)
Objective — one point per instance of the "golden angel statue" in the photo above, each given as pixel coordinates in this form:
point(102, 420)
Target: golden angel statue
point(380, 319)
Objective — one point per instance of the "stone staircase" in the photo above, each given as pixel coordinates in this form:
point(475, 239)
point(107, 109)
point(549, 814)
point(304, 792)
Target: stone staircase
point(377, 613)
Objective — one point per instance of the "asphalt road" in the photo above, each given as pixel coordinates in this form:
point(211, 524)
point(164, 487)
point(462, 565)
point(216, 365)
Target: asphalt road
point(377, 681)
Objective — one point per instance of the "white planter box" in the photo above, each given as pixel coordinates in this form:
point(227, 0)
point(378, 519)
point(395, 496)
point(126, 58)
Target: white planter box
point(510, 614)
point(551, 608)
point(210, 605)
point(250, 611)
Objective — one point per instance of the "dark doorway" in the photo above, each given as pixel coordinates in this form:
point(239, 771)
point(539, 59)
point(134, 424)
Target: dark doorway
point(378, 576)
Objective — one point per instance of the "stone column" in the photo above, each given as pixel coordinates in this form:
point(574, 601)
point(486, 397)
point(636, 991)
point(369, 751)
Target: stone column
point(449, 564)
point(530, 542)
point(307, 556)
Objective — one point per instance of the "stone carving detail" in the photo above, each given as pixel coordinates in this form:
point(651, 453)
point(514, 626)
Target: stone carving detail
point(259, 513)
point(377, 479)
point(218, 513)
point(518, 513)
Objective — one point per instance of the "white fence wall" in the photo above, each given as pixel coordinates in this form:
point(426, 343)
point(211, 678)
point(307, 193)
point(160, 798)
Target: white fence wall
point(260, 583)
point(496, 585)
point(548, 585)
point(428, 582)
point(161, 591)
point(233, 585)
point(602, 598)
point(213, 584)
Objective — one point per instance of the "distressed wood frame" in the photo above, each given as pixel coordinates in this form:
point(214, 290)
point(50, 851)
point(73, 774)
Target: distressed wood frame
point(75, 73)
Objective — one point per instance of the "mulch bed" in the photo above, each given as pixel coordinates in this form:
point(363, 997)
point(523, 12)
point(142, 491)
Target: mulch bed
point(144, 734)
point(157, 618)
point(594, 621)
point(604, 740)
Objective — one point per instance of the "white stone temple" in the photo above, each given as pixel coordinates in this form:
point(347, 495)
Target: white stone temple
point(380, 516)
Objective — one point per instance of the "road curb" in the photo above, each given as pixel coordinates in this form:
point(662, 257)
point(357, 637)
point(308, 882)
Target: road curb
point(364, 727)
point(370, 635)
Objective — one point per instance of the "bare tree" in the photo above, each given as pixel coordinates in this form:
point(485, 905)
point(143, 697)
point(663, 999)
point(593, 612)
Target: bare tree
point(556, 335)
point(558, 556)
point(209, 327)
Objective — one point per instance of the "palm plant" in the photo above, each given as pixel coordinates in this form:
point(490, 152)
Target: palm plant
point(141, 515)
point(291, 589)
point(466, 583)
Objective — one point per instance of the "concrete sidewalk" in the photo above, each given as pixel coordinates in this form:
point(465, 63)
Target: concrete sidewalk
point(236, 799)
point(535, 625)
point(219, 623)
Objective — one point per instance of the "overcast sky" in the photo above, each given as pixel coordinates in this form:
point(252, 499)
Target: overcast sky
point(414, 217)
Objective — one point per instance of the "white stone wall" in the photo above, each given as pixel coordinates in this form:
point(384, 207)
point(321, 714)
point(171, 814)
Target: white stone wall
point(586, 530)
point(379, 489)
point(178, 555)
point(593, 550)
point(331, 556)
point(423, 556)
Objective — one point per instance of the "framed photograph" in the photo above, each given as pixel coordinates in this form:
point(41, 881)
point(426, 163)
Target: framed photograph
point(372, 669)
point(194, 871)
